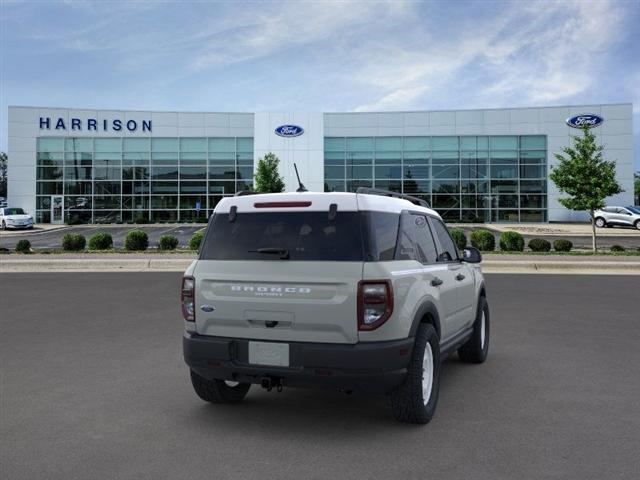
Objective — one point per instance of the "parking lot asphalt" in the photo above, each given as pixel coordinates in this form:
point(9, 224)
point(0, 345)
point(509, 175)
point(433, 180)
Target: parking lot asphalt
point(94, 386)
point(53, 238)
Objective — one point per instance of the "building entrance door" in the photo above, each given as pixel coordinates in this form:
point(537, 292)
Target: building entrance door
point(57, 209)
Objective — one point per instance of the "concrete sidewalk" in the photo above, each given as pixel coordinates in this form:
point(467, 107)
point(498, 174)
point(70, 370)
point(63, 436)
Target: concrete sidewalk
point(492, 263)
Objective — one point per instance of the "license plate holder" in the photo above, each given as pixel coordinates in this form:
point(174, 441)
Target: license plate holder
point(269, 353)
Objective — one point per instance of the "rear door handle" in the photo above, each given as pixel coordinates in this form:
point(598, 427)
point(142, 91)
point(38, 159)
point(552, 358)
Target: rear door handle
point(436, 282)
point(460, 277)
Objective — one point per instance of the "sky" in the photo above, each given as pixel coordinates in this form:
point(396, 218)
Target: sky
point(318, 55)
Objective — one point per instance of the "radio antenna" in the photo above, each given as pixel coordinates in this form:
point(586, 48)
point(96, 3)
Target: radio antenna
point(301, 187)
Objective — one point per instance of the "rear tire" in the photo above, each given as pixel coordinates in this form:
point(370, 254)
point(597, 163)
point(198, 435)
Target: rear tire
point(600, 222)
point(477, 347)
point(218, 391)
point(637, 224)
point(415, 400)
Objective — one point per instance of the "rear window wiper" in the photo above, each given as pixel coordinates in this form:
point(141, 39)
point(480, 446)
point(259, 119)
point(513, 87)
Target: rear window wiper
point(283, 252)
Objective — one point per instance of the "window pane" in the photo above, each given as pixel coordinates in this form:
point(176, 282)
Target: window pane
point(334, 186)
point(193, 145)
point(49, 173)
point(193, 173)
point(449, 251)
point(504, 142)
point(334, 172)
point(450, 171)
point(49, 188)
point(445, 186)
point(49, 158)
point(388, 143)
point(384, 172)
point(534, 156)
point(228, 187)
point(222, 173)
point(412, 171)
point(139, 144)
point(164, 158)
point(504, 171)
point(193, 187)
point(106, 202)
point(245, 145)
point(359, 143)
point(162, 173)
point(164, 202)
point(334, 144)
point(445, 158)
point(413, 187)
point(222, 144)
point(169, 188)
point(110, 173)
point(468, 143)
point(108, 144)
point(533, 142)
point(415, 241)
point(504, 157)
point(416, 158)
point(444, 143)
point(220, 158)
point(77, 173)
point(392, 185)
point(417, 143)
point(50, 144)
point(78, 144)
point(334, 158)
point(504, 186)
point(244, 172)
point(388, 158)
point(359, 158)
point(164, 144)
point(532, 171)
point(106, 188)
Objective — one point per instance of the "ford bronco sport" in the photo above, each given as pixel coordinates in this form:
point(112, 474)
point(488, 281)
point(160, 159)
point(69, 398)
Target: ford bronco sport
point(353, 291)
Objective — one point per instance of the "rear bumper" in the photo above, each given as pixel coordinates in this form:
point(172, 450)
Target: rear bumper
point(372, 367)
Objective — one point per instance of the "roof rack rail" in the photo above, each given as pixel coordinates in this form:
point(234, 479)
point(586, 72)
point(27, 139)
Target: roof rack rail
point(389, 193)
point(242, 193)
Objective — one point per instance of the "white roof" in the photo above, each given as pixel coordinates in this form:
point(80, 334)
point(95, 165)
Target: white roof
point(318, 201)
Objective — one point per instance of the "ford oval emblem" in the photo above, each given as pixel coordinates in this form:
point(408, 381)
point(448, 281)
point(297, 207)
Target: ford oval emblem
point(289, 131)
point(587, 120)
point(207, 308)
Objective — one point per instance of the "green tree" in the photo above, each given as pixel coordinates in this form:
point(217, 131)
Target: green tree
point(267, 178)
point(636, 187)
point(3, 174)
point(585, 177)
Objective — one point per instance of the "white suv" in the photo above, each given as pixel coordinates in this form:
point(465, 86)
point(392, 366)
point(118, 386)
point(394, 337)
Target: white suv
point(15, 218)
point(351, 291)
point(621, 216)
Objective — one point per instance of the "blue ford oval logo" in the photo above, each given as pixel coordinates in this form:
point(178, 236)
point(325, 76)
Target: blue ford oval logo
point(207, 308)
point(587, 120)
point(289, 131)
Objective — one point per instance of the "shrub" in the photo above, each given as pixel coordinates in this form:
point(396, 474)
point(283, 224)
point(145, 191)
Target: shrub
point(511, 242)
point(196, 240)
point(74, 220)
point(483, 240)
point(617, 248)
point(201, 220)
point(459, 237)
point(101, 241)
point(539, 245)
point(141, 220)
point(73, 242)
point(136, 240)
point(167, 242)
point(23, 246)
point(562, 245)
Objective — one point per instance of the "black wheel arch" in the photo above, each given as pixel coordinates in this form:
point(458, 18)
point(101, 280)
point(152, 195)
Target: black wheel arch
point(427, 313)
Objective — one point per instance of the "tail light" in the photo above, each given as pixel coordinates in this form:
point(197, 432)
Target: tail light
point(187, 298)
point(375, 303)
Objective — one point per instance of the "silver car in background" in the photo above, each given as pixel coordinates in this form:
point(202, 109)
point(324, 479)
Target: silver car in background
point(620, 216)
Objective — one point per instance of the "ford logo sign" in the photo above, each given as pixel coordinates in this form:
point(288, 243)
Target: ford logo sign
point(289, 131)
point(587, 120)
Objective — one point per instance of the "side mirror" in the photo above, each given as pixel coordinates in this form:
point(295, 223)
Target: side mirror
point(471, 255)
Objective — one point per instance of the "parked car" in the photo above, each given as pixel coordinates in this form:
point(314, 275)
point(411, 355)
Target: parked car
point(15, 218)
point(352, 291)
point(3, 202)
point(620, 216)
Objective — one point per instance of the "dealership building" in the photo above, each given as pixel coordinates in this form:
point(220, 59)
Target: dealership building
point(107, 166)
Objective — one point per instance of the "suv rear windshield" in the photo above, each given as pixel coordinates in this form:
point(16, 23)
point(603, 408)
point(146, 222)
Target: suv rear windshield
point(309, 236)
point(275, 235)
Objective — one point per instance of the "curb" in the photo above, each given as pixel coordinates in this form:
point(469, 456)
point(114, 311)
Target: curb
point(96, 265)
point(27, 265)
point(566, 267)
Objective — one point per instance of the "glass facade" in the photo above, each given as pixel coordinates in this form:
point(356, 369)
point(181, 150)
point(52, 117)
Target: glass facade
point(108, 180)
point(498, 178)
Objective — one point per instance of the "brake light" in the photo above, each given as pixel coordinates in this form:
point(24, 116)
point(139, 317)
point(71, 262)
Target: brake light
point(187, 298)
point(281, 204)
point(375, 303)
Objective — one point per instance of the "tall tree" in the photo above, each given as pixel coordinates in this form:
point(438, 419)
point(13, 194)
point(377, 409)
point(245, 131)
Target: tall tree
point(267, 178)
point(3, 174)
point(585, 177)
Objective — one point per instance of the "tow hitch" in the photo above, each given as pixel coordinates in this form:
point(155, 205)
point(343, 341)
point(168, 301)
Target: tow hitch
point(269, 383)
